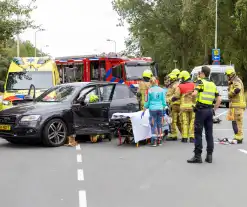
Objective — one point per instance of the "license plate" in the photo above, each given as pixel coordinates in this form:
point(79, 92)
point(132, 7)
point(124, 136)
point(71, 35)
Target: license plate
point(5, 127)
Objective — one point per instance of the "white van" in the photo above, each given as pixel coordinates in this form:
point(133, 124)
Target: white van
point(218, 76)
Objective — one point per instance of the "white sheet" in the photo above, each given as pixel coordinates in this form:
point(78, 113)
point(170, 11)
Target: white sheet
point(140, 126)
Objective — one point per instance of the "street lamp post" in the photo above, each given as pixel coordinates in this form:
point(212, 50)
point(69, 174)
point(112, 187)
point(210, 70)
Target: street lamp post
point(216, 23)
point(109, 40)
point(175, 62)
point(35, 40)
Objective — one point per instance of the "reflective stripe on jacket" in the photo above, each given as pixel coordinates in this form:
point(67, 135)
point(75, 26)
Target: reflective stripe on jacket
point(207, 96)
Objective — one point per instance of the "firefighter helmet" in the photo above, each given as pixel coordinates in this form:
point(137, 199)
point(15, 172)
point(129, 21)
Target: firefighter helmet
point(184, 75)
point(176, 71)
point(147, 74)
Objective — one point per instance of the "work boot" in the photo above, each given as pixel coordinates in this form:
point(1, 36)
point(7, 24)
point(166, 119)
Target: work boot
point(71, 141)
point(239, 141)
point(195, 159)
point(184, 140)
point(209, 158)
point(192, 140)
point(174, 139)
point(171, 138)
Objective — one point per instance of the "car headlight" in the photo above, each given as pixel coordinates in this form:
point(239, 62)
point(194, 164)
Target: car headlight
point(30, 118)
point(6, 102)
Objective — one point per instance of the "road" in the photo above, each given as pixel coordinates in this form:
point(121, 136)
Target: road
point(106, 175)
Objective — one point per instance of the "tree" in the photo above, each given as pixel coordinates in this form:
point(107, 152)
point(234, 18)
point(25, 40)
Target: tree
point(14, 19)
point(184, 30)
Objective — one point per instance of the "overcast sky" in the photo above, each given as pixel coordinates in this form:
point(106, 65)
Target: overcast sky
point(76, 27)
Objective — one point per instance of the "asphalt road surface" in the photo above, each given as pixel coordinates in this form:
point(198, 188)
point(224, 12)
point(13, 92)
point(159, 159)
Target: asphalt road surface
point(107, 175)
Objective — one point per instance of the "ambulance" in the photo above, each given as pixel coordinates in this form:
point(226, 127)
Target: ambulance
point(27, 76)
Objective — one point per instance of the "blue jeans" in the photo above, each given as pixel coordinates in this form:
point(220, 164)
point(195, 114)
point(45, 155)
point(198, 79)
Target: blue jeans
point(155, 121)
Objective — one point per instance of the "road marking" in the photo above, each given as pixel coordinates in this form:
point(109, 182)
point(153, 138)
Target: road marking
point(78, 147)
point(79, 158)
point(220, 114)
point(242, 150)
point(80, 174)
point(227, 129)
point(82, 198)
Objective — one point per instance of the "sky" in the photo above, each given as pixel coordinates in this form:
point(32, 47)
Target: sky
point(76, 27)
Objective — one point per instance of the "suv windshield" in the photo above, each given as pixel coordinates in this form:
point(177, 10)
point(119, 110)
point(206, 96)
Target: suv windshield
point(135, 72)
point(23, 80)
point(219, 79)
point(57, 94)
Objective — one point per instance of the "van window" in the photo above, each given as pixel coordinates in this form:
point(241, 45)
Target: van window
point(117, 71)
point(219, 79)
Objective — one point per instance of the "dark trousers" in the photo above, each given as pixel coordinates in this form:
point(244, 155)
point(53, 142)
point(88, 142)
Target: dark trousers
point(204, 118)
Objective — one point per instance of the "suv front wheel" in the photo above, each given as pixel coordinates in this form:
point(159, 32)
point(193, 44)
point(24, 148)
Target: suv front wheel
point(55, 133)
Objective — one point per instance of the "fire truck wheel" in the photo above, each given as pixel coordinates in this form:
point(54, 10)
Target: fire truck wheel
point(55, 133)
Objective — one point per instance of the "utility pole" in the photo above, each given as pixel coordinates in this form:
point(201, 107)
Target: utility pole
point(35, 41)
point(109, 40)
point(216, 24)
point(18, 38)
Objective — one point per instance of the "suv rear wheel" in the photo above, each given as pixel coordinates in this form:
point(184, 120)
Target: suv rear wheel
point(55, 133)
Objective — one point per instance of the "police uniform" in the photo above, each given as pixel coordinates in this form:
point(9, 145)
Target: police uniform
point(237, 104)
point(187, 101)
point(174, 110)
point(207, 92)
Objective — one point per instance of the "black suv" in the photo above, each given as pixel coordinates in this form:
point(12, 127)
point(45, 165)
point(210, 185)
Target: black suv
point(64, 110)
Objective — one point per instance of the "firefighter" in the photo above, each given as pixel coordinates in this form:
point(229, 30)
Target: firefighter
point(237, 103)
point(187, 116)
point(176, 72)
point(174, 107)
point(206, 92)
point(71, 139)
point(93, 98)
point(143, 87)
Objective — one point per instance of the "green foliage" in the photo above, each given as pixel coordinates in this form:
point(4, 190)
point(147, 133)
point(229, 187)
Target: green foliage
point(184, 30)
point(14, 19)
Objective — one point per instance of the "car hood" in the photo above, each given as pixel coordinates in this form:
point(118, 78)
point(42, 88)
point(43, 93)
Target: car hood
point(37, 108)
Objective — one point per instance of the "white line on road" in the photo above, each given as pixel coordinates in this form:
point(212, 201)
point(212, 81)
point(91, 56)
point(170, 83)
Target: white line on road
point(242, 150)
point(220, 114)
point(80, 174)
point(226, 129)
point(82, 198)
point(79, 158)
point(78, 147)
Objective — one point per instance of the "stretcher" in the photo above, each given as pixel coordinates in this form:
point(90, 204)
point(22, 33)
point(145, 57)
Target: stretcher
point(131, 128)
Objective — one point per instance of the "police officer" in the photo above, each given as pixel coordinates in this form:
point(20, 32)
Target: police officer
point(174, 107)
point(237, 103)
point(143, 87)
point(184, 93)
point(206, 93)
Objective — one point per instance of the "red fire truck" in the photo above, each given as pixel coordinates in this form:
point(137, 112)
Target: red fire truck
point(104, 68)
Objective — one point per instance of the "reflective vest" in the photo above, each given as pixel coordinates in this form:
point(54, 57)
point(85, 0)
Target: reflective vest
point(187, 100)
point(238, 100)
point(208, 95)
point(143, 89)
point(170, 93)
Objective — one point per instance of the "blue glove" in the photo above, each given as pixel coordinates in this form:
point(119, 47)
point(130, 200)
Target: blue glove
point(142, 114)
